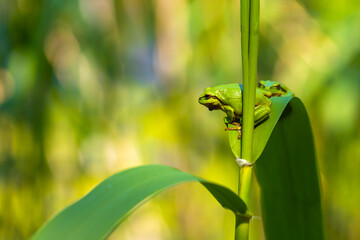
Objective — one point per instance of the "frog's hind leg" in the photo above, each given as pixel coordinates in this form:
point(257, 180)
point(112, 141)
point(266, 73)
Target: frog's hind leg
point(261, 114)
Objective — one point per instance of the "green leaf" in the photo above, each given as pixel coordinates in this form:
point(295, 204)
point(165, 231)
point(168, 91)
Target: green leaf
point(99, 212)
point(288, 178)
point(263, 131)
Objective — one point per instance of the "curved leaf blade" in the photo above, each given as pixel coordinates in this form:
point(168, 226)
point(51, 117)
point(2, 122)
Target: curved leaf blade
point(288, 178)
point(100, 211)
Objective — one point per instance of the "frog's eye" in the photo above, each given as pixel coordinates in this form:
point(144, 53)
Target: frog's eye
point(207, 95)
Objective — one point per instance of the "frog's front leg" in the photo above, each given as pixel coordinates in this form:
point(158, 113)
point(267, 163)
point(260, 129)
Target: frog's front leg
point(230, 114)
point(231, 119)
point(264, 92)
point(261, 113)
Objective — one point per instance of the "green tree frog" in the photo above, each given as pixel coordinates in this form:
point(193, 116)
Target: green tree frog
point(228, 98)
point(274, 89)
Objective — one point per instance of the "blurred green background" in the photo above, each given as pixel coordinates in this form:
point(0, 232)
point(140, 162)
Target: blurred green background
point(92, 87)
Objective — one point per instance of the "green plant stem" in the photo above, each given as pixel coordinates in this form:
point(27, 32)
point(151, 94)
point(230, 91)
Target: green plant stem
point(242, 223)
point(250, 84)
point(249, 51)
point(245, 38)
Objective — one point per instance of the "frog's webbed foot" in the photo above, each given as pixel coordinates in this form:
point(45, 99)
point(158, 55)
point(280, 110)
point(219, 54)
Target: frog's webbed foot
point(236, 128)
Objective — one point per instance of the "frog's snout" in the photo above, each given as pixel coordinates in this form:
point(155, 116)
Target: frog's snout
point(203, 98)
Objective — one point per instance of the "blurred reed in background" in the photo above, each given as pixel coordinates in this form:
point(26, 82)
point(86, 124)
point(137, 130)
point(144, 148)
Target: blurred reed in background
point(91, 87)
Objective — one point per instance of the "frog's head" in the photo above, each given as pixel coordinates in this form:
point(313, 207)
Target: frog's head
point(209, 99)
point(273, 88)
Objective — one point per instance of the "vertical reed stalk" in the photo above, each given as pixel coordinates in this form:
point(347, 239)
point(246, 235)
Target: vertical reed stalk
point(249, 52)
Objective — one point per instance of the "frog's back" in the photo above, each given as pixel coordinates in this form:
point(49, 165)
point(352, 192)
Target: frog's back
point(228, 90)
point(230, 94)
point(232, 86)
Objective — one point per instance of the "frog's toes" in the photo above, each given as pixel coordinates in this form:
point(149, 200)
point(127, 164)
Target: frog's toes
point(236, 124)
point(236, 128)
point(240, 134)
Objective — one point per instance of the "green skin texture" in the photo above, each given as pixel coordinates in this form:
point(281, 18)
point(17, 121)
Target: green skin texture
point(228, 98)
